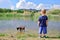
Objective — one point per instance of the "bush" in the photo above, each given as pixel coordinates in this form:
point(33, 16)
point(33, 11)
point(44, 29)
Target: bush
point(9, 15)
point(2, 14)
point(55, 11)
point(2, 35)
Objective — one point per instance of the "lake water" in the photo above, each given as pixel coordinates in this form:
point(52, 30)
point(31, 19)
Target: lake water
point(30, 24)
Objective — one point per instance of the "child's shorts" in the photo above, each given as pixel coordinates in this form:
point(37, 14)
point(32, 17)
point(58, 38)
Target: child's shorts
point(43, 30)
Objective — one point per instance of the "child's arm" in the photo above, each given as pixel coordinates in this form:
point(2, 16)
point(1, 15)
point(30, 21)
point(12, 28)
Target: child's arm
point(38, 23)
point(46, 22)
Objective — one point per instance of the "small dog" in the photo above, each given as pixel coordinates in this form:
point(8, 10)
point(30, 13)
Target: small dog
point(21, 28)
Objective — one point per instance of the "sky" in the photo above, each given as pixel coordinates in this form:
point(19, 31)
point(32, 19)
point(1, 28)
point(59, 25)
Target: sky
point(30, 4)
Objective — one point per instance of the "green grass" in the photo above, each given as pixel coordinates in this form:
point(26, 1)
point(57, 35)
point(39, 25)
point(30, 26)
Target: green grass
point(26, 35)
point(3, 35)
point(23, 36)
point(8, 16)
point(12, 16)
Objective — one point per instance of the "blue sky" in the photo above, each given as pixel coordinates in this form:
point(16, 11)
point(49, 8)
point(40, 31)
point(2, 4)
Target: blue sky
point(45, 1)
point(29, 4)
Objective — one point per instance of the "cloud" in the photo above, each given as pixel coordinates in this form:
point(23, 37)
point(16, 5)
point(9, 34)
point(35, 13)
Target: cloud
point(55, 6)
point(22, 4)
point(40, 6)
point(12, 7)
point(31, 5)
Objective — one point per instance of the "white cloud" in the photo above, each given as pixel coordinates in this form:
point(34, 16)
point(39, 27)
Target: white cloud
point(12, 7)
point(31, 5)
point(22, 4)
point(55, 6)
point(40, 6)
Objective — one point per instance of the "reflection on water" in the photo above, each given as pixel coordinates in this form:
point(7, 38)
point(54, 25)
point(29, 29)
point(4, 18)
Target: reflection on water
point(54, 18)
point(30, 23)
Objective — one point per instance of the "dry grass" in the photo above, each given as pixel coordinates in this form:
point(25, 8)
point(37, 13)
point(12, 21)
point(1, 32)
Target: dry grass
point(24, 36)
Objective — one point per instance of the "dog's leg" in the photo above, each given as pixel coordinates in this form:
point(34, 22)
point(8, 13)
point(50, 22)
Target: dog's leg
point(20, 29)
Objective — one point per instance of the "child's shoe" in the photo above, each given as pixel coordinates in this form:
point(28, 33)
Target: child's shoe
point(41, 37)
point(45, 36)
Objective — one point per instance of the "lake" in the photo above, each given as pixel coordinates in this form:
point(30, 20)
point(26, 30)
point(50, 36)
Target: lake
point(30, 24)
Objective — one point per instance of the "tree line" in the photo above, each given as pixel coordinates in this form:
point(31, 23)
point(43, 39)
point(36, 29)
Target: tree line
point(9, 10)
point(18, 11)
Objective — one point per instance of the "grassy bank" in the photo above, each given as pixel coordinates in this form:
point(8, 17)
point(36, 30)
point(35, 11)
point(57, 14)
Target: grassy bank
point(13, 15)
point(5, 16)
point(25, 36)
point(52, 15)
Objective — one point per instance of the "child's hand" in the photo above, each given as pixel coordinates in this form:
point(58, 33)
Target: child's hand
point(38, 23)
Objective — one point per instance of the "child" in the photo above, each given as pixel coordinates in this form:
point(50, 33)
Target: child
point(43, 22)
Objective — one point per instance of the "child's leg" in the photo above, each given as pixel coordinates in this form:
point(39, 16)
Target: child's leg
point(40, 31)
point(44, 31)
